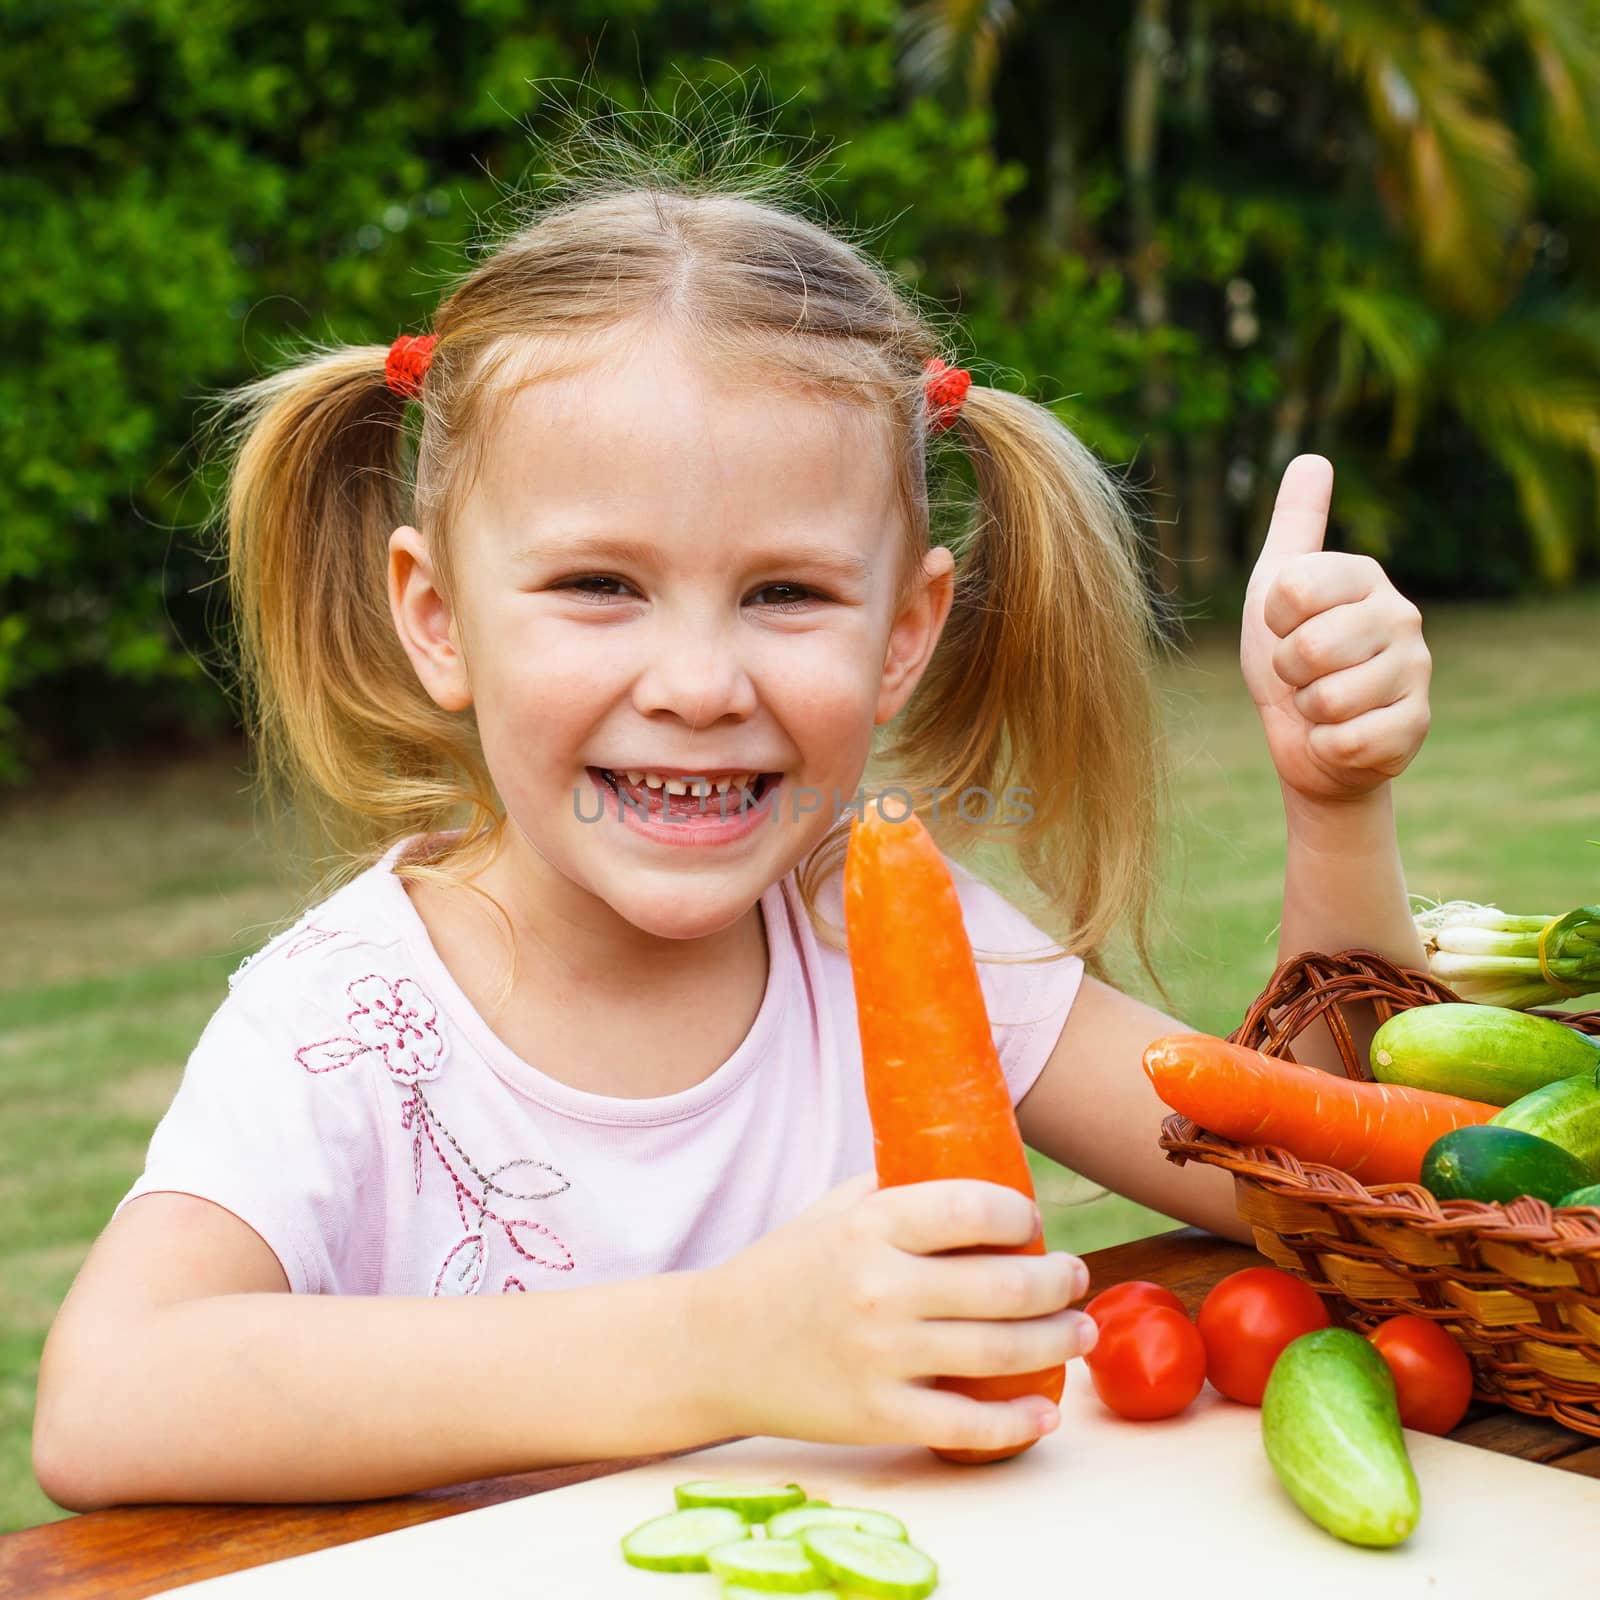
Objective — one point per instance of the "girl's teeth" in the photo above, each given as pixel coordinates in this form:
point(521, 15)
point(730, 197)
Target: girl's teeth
point(701, 787)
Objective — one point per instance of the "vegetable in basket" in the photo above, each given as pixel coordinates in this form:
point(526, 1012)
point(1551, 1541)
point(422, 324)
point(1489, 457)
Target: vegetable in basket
point(1498, 1165)
point(1488, 1053)
point(1567, 1113)
point(1494, 958)
point(1374, 1131)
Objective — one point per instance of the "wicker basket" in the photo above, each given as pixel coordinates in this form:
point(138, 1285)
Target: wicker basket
point(1518, 1285)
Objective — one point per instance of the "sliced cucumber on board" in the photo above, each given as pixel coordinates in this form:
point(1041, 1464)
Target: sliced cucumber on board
point(755, 1502)
point(789, 1524)
point(678, 1542)
point(1485, 1053)
point(778, 1566)
point(864, 1564)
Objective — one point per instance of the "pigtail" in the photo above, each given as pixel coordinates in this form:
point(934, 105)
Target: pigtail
point(1042, 681)
point(344, 730)
point(1045, 675)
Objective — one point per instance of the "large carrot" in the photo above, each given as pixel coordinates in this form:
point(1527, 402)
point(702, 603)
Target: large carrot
point(939, 1103)
point(1378, 1132)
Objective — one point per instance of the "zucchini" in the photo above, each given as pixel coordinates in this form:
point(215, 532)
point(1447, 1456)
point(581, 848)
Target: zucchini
point(1485, 1162)
point(1485, 1053)
point(1589, 1195)
point(1566, 1112)
point(1331, 1427)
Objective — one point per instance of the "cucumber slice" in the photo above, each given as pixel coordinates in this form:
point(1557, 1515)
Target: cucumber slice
point(678, 1541)
point(755, 1502)
point(788, 1524)
point(866, 1564)
point(775, 1566)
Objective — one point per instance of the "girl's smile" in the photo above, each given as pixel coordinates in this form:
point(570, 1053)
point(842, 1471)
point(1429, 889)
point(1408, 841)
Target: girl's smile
point(687, 808)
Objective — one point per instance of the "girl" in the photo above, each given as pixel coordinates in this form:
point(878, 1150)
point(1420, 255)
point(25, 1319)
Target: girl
point(543, 1139)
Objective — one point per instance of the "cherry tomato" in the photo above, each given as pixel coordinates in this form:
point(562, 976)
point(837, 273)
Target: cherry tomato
point(1147, 1363)
point(1246, 1321)
point(1432, 1375)
point(1129, 1296)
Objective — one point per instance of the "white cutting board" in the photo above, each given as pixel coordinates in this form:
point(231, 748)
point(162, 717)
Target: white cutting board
point(1186, 1507)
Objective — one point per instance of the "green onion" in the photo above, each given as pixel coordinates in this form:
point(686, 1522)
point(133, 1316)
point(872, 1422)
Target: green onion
point(1493, 958)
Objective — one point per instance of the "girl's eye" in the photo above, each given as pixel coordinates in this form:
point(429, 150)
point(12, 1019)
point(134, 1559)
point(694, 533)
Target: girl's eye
point(600, 588)
point(793, 596)
point(574, 584)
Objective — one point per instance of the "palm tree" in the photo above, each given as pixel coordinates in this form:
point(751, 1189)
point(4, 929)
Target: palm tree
point(1436, 306)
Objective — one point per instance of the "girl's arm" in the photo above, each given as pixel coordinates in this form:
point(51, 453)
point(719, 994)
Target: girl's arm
point(180, 1369)
point(1334, 659)
point(174, 1372)
point(1094, 1110)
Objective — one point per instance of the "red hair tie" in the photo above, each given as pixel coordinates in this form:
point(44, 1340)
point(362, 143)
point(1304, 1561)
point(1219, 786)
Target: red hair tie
point(408, 362)
point(947, 388)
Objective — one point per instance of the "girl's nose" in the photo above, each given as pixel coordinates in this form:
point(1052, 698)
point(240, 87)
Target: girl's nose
point(698, 674)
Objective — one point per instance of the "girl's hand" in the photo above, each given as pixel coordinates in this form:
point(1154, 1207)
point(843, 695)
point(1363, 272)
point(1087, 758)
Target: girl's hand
point(832, 1327)
point(1332, 652)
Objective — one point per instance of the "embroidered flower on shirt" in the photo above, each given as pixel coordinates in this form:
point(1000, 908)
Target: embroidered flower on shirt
point(397, 1020)
point(400, 1021)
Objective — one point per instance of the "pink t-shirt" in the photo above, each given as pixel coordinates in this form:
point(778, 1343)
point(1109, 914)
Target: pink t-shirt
point(349, 1103)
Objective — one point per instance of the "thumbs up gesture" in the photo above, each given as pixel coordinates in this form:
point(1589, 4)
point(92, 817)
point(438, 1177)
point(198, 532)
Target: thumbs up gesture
point(1332, 652)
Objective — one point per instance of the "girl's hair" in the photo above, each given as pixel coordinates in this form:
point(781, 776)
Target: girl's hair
point(1043, 677)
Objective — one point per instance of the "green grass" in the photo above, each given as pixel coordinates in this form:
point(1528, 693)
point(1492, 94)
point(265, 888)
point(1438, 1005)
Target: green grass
point(127, 897)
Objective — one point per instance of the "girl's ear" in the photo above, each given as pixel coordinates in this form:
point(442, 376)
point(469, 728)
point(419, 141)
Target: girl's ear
point(425, 622)
point(915, 631)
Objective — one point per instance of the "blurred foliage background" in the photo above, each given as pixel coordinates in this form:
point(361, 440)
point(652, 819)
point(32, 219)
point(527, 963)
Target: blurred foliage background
point(1213, 232)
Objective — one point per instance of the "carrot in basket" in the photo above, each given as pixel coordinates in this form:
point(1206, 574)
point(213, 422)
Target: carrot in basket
point(1377, 1132)
point(939, 1103)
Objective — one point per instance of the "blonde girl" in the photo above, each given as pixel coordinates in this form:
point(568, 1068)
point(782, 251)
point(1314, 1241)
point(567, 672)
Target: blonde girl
point(543, 1138)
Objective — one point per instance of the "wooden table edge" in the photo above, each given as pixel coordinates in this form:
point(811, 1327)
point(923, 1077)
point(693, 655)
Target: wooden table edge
point(134, 1551)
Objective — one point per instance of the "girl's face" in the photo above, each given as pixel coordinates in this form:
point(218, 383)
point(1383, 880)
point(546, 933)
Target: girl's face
point(661, 573)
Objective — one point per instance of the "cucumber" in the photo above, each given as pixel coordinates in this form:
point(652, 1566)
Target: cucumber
point(1331, 1427)
point(1485, 1053)
point(1566, 1112)
point(1587, 1196)
point(789, 1524)
point(774, 1565)
point(755, 1502)
point(678, 1542)
point(1486, 1162)
point(867, 1565)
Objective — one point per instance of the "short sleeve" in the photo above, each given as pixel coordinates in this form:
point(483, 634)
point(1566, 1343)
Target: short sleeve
point(294, 1153)
point(1027, 1001)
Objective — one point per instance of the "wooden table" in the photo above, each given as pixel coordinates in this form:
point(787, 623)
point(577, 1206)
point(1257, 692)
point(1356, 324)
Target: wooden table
point(141, 1550)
